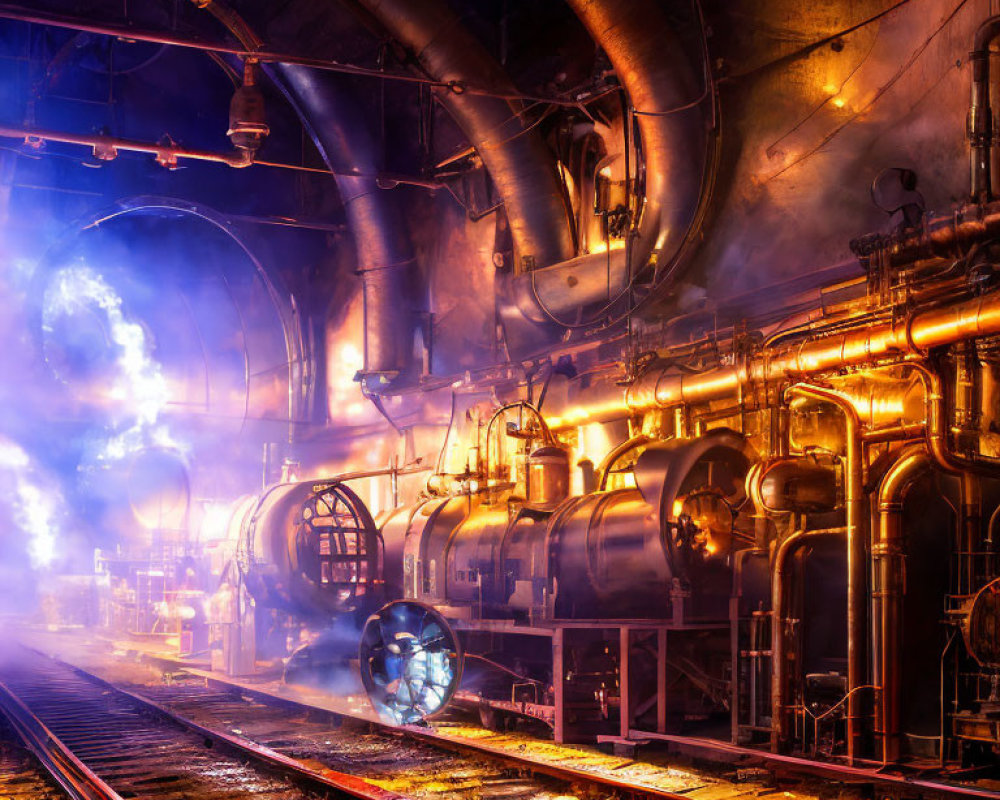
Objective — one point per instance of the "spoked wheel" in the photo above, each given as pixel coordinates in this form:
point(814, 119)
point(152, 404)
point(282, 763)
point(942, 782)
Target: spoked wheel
point(411, 662)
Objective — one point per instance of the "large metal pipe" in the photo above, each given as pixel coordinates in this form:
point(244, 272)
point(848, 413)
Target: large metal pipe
point(517, 158)
point(888, 556)
point(655, 72)
point(333, 119)
point(980, 121)
point(946, 236)
point(779, 636)
point(938, 430)
point(945, 325)
point(856, 559)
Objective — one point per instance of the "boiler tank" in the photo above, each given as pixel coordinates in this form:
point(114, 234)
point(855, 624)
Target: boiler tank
point(650, 551)
point(312, 549)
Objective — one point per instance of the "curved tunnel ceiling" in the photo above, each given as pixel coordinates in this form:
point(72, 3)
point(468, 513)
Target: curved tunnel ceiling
point(158, 306)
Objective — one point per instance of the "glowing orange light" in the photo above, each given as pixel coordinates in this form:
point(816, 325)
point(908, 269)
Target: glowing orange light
point(602, 247)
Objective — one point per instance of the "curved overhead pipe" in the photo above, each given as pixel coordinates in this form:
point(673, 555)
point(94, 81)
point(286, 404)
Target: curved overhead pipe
point(549, 283)
point(652, 67)
point(333, 119)
point(520, 164)
point(336, 125)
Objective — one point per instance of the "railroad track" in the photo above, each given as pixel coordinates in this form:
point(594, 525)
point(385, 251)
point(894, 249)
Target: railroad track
point(304, 751)
point(139, 743)
point(22, 777)
point(102, 744)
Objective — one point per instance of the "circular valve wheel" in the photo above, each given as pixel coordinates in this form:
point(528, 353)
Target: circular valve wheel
point(981, 626)
point(411, 662)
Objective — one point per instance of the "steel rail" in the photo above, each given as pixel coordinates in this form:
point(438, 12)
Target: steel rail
point(79, 782)
point(873, 772)
point(525, 763)
point(829, 770)
point(52, 751)
point(476, 749)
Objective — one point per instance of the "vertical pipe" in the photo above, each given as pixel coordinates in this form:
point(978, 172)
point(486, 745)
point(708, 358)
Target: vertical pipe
point(661, 680)
point(888, 555)
point(625, 681)
point(335, 123)
point(779, 639)
point(558, 686)
point(972, 510)
point(979, 126)
point(856, 560)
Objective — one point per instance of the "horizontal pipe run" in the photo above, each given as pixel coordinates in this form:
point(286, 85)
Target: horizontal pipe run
point(129, 33)
point(657, 389)
point(946, 236)
point(107, 147)
point(894, 433)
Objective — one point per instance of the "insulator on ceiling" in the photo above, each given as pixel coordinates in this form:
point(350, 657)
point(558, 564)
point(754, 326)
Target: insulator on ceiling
point(247, 119)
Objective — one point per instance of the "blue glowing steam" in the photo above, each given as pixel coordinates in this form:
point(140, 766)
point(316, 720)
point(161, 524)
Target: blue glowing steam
point(138, 391)
point(34, 501)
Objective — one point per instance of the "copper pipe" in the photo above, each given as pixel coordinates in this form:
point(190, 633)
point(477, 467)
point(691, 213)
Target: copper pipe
point(980, 120)
point(938, 441)
point(969, 466)
point(106, 147)
point(946, 236)
point(609, 460)
point(779, 639)
point(760, 513)
point(856, 560)
point(956, 322)
point(895, 433)
point(889, 572)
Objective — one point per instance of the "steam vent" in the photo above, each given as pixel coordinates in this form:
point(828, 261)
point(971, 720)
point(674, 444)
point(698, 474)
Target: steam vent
point(500, 399)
